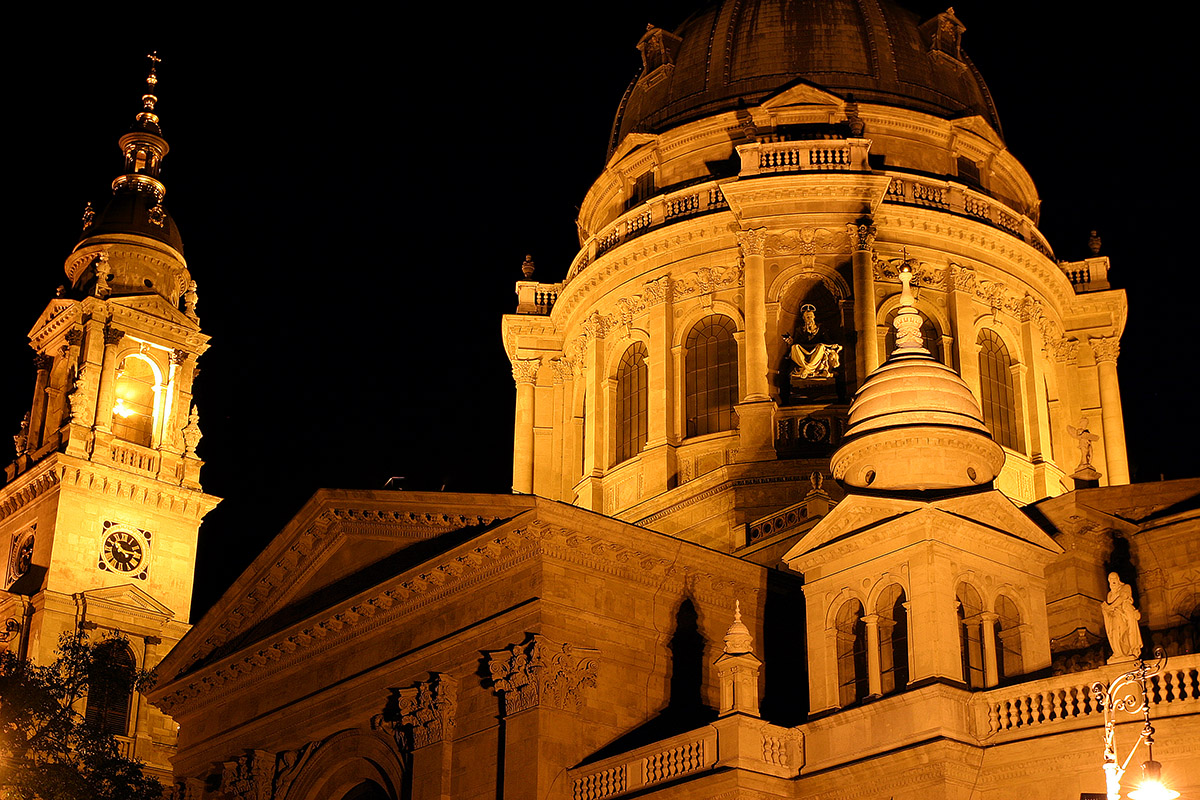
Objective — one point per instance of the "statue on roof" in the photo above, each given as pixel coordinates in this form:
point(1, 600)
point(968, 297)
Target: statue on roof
point(1121, 621)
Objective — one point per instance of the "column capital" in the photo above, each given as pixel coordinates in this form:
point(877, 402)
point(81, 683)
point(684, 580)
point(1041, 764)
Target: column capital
point(178, 356)
point(564, 369)
point(542, 672)
point(862, 236)
point(74, 337)
point(1065, 350)
point(112, 336)
point(753, 242)
point(1106, 348)
point(525, 370)
point(42, 361)
point(657, 290)
point(424, 713)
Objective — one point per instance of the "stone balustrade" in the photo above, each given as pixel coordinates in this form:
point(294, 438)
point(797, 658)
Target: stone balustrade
point(536, 298)
point(820, 155)
point(1046, 706)
point(134, 458)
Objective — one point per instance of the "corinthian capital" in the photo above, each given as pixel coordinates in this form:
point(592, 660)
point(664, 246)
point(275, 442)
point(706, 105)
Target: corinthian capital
point(525, 370)
point(862, 236)
point(1106, 348)
point(753, 242)
point(542, 671)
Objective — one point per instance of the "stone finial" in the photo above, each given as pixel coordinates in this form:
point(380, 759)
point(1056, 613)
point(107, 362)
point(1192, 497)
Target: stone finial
point(21, 440)
point(89, 214)
point(737, 669)
point(1094, 243)
point(191, 433)
point(737, 638)
point(908, 319)
point(527, 267)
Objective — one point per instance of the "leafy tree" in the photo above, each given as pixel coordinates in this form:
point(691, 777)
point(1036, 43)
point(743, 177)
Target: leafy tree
point(48, 750)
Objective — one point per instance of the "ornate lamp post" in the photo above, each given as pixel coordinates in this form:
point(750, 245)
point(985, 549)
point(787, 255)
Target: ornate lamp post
point(1127, 693)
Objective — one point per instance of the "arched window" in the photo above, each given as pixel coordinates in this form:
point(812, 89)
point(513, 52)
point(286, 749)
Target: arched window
point(893, 640)
point(133, 411)
point(970, 606)
point(633, 394)
point(710, 376)
point(1009, 662)
point(996, 389)
point(851, 653)
point(110, 688)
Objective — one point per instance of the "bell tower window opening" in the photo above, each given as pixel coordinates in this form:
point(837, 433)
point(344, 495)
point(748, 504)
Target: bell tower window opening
point(851, 632)
point(997, 395)
point(710, 376)
point(110, 690)
point(643, 189)
point(1009, 662)
point(970, 609)
point(136, 396)
point(633, 397)
point(893, 640)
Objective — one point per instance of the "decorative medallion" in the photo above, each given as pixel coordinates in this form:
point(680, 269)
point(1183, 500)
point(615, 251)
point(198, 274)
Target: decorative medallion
point(20, 555)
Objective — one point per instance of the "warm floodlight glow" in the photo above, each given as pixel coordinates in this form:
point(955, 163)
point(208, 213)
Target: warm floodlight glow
point(121, 410)
point(1151, 787)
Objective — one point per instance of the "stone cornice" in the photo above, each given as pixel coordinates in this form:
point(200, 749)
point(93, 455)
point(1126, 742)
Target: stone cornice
point(27, 487)
point(57, 317)
point(445, 576)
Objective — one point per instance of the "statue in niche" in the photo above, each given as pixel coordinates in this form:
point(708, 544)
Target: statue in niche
point(1121, 621)
point(812, 354)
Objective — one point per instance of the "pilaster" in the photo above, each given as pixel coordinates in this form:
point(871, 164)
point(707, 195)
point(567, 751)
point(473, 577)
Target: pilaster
point(862, 243)
point(1106, 351)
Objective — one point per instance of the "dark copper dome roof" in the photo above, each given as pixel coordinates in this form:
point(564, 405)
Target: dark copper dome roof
point(739, 52)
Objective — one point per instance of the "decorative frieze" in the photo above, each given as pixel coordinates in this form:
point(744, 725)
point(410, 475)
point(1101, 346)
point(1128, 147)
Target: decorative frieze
point(542, 672)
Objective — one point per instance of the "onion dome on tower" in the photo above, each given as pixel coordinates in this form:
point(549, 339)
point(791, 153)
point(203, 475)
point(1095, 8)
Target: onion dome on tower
point(135, 214)
point(914, 424)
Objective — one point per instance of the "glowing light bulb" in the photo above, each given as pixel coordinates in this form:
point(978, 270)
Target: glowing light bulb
point(1151, 787)
point(121, 411)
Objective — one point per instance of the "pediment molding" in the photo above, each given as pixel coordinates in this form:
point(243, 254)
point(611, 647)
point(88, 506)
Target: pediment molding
point(388, 604)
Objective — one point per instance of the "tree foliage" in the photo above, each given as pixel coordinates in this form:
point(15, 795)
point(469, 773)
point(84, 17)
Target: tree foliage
point(48, 749)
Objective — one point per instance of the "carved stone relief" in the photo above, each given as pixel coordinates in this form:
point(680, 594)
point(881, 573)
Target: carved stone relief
point(542, 672)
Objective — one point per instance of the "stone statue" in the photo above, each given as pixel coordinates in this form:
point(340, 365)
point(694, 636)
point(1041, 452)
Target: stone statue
point(1084, 438)
point(190, 298)
point(812, 357)
point(1121, 621)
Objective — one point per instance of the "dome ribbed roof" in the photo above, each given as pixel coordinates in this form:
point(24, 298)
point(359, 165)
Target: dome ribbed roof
point(735, 53)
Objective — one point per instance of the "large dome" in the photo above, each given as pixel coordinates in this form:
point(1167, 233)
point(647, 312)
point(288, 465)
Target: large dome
point(733, 54)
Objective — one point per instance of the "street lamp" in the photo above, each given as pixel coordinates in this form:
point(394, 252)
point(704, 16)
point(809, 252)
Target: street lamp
point(1127, 693)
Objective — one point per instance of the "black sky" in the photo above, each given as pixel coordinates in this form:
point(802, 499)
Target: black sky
point(356, 195)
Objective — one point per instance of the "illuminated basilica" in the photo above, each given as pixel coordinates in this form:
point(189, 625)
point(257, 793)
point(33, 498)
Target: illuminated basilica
point(820, 484)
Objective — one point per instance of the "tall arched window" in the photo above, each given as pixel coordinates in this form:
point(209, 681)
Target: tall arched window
point(1009, 661)
point(970, 607)
point(633, 394)
point(110, 688)
point(133, 410)
point(710, 376)
point(851, 653)
point(893, 640)
point(996, 389)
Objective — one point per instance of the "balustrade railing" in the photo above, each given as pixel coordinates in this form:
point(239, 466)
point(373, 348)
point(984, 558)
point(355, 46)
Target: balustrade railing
point(134, 458)
point(1032, 707)
point(804, 156)
point(646, 766)
point(536, 298)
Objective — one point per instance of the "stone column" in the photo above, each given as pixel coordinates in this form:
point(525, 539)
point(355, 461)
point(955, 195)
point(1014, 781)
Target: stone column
point(525, 371)
point(37, 413)
point(874, 667)
point(987, 631)
point(658, 457)
point(108, 376)
point(540, 684)
point(862, 242)
point(181, 404)
point(427, 714)
point(753, 245)
point(1106, 351)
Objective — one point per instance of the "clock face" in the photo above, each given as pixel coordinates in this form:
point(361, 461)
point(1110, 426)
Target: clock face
point(21, 557)
point(123, 552)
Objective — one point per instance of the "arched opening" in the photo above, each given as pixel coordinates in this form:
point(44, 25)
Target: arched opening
point(851, 633)
point(710, 376)
point(997, 395)
point(1009, 662)
point(893, 639)
point(133, 409)
point(970, 607)
point(367, 790)
point(110, 688)
point(811, 368)
point(633, 395)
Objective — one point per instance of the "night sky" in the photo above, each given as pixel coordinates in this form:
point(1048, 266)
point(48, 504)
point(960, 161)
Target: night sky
point(356, 196)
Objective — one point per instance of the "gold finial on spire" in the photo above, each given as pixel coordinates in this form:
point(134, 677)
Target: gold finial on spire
point(908, 320)
point(149, 98)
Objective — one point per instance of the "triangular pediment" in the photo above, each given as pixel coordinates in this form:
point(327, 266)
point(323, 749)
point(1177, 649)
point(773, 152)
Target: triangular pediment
point(341, 542)
point(129, 599)
point(853, 514)
point(631, 142)
point(980, 127)
point(994, 510)
point(156, 306)
point(56, 313)
point(802, 94)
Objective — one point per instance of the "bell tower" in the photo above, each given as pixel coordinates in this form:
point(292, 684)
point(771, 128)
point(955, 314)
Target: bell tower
point(100, 510)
